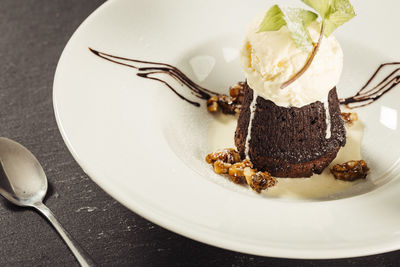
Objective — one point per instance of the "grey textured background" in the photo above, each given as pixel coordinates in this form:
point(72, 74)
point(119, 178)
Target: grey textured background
point(32, 36)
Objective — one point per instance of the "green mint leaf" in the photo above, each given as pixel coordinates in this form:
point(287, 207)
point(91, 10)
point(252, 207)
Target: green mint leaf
point(306, 16)
point(341, 12)
point(297, 21)
point(334, 13)
point(273, 20)
point(321, 6)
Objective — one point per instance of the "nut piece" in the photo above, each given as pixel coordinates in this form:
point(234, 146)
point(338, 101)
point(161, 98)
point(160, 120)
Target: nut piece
point(233, 103)
point(228, 104)
point(227, 161)
point(350, 171)
point(261, 181)
point(228, 155)
point(212, 104)
point(248, 173)
point(221, 167)
point(236, 171)
point(237, 90)
point(349, 117)
point(258, 181)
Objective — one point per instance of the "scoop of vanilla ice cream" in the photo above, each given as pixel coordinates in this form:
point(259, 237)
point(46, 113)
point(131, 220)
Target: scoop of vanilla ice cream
point(271, 58)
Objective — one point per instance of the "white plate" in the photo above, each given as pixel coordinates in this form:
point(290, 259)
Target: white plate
point(146, 147)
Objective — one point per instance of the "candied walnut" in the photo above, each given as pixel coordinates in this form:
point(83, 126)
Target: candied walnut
point(212, 104)
point(228, 104)
point(221, 167)
point(247, 163)
point(350, 117)
point(248, 172)
point(237, 93)
point(261, 181)
point(350, 171)
point(227, 161)
point(237, 90)
point(228, 155)
point(258, 181)
point(232, 104)
point(236, 171)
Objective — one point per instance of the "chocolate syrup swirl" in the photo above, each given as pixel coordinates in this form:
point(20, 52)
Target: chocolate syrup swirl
point(148, 70)
point(368, 94)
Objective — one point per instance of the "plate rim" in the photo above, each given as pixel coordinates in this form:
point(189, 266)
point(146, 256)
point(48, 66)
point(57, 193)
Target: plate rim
point(169, 222)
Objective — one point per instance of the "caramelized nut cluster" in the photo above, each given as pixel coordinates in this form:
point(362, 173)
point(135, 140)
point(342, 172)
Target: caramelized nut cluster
point(227, 155)
point(258, 181)
point(228, 162)
point(228, 104)
point(349, 117)
point(236, 171)
point(351, 170)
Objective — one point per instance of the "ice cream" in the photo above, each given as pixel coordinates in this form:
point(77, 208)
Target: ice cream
point(271, 58)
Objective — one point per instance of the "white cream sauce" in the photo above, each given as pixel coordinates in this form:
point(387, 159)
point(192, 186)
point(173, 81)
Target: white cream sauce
point(221, 135)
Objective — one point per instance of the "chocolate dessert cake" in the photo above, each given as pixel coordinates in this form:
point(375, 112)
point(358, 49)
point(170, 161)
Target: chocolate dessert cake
point(290, 142)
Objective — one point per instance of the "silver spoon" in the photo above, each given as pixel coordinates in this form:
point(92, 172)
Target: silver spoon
point(24, 183)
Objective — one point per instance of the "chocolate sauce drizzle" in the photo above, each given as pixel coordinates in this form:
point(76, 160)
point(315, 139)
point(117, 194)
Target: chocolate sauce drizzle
point(149, 69)
point(368, 94)
point(365, 96)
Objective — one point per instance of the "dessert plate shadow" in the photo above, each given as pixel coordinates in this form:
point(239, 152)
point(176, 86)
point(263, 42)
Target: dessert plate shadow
point(145, 146)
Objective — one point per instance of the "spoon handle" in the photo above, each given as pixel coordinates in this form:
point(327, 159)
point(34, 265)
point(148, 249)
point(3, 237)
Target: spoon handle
point(81, 255)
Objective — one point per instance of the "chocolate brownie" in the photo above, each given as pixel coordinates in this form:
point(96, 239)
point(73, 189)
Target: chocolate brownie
point(290, 142)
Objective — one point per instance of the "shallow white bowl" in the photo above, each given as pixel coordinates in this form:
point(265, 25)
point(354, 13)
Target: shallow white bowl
point(146, 147)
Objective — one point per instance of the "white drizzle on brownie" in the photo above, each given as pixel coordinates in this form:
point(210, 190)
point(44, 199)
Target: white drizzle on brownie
point(327, 119)
point(253, 107)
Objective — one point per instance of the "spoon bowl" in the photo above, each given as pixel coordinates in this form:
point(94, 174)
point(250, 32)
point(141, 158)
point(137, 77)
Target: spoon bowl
point(22, 179)
point(24, 183)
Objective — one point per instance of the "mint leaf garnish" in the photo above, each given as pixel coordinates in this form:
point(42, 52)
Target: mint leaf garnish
point(321, 6)
point(297, 20)
point(341, 12)
point(334, 13)
point(273, 20)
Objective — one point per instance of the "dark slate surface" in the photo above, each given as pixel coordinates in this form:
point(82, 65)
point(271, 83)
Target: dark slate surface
point(32, 36)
